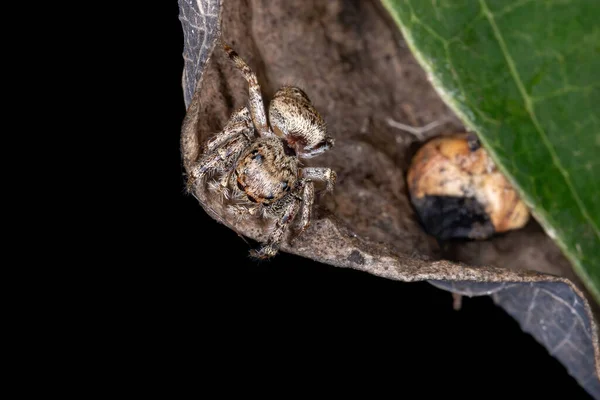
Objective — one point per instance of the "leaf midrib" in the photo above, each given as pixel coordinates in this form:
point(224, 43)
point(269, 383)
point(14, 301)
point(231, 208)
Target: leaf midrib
point(531, 112)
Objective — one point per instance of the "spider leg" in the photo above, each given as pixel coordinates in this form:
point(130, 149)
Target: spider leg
point(317, 174)
point(308, 198)
point(223, 149)
point(219, 161)
point(287, 211)
point(239, 123)
point(257, 107)
point(241, 210)
point(310, 175)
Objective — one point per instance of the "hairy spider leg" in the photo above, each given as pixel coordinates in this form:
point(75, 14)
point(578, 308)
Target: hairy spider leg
point(320, 174)
point(220, 160)
point(309, 176)
point(308, 198)
point(222, 151)
point(286, 213)
point(257, 107)
point(239, 123)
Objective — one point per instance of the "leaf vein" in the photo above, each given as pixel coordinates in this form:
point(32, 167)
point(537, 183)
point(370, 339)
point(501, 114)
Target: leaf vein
point(529, 108)
point(573, 311)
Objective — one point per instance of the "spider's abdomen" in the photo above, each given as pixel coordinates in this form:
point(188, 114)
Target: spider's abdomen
point(295, 119)
point(264, 172)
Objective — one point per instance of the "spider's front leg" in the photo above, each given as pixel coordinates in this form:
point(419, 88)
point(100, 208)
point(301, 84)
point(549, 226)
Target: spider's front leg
point(221, 151)
point(239, 123)
point(300, 200)
point(286, 210)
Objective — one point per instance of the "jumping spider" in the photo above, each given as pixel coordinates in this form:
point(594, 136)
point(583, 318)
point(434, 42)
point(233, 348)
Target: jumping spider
point(257, 162)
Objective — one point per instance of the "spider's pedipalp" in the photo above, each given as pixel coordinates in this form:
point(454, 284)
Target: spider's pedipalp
point(241, 210)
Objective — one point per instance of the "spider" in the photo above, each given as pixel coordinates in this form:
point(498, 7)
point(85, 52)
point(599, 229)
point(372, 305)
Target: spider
point(257, 161)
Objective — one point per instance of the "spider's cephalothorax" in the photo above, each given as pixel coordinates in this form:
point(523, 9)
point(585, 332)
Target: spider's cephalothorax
point(257, 160)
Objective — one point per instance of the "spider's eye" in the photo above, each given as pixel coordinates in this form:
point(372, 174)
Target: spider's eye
point(257, 157)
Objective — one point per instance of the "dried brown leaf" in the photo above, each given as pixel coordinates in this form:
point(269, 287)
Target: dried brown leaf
point(359, 73)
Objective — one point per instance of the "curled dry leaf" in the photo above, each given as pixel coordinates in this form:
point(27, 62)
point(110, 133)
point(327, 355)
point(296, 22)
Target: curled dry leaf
point(361, 76)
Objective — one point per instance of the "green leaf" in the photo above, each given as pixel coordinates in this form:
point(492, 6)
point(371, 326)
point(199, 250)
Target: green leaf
point(525, 75)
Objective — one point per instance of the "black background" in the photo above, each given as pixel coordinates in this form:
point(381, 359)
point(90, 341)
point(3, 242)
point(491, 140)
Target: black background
point(298, 322)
